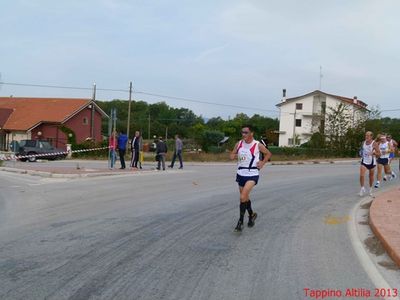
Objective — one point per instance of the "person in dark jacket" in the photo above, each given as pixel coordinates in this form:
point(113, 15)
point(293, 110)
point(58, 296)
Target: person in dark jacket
point(122, 141)
point(161, 152)
point(135, 146)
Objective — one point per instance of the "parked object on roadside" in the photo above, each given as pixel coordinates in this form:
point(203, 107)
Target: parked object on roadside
point(39, 149)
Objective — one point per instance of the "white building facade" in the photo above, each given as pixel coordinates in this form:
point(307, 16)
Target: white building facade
point(297, 115)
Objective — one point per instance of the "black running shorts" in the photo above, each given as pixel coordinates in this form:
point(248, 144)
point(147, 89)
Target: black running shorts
point(383, 161)
point(241, 180)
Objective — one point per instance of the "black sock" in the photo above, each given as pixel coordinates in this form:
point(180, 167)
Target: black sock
point(242, 211)
point(249, 208)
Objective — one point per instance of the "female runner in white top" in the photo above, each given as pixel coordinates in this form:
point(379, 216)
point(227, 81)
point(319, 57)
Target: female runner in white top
point(368, 162)
point(384, 150)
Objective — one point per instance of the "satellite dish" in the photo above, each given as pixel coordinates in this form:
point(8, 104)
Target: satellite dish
point(224, 140)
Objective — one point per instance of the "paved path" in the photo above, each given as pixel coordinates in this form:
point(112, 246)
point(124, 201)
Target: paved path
point(385, 221)
point(169, 235)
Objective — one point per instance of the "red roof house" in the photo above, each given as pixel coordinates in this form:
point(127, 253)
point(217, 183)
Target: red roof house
point(43, 118)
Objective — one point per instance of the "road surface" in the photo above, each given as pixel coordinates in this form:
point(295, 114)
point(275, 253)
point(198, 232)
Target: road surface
point(169, 235)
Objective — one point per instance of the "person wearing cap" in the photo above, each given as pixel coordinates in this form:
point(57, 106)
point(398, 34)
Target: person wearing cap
point(161, 151)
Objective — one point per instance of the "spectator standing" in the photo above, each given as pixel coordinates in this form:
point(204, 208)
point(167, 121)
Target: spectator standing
point(112, 144)
point(135, 145)
point(122, 141)
point(161, 152)
point(177, 153)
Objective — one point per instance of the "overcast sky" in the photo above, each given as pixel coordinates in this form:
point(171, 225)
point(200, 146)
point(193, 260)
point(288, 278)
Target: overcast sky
point(230, 52)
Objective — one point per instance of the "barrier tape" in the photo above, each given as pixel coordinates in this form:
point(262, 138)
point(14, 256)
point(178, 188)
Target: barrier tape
point(16, 157)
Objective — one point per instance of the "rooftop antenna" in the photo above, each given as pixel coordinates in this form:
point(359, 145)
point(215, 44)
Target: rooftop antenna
point(320, 77)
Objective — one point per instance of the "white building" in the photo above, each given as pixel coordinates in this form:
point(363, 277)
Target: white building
point(297, 114)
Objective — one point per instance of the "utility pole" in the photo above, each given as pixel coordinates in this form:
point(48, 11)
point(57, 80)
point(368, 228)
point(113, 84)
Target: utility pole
point(129, 109)
point(149, 127)
point(92, 113)
point(112, 124)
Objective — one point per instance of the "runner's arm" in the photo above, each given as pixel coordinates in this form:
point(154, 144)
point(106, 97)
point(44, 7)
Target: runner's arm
point(376, 150)
point(233, 153)
point(267, 155)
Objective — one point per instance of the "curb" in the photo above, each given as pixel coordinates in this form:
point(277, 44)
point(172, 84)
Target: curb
point(314, 162)
point(83, 175)
point(58, 175)
point(384, 221)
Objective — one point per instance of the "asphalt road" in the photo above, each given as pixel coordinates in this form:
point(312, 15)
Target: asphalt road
point(169, 235)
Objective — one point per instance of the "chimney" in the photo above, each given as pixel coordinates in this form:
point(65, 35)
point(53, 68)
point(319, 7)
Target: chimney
point(283, 95)
point(355, 101)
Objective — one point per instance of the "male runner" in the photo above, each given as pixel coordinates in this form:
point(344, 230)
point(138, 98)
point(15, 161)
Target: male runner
point(247, 152)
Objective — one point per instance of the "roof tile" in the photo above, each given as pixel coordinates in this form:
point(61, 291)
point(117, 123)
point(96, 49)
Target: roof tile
point(27, 112)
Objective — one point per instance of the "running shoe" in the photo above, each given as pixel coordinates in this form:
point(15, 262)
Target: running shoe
point(239, 226)
point(370, 193)
point(377, 184)
point(384, 178)
point(394, 176)
point(362, 191)
point(252, 218)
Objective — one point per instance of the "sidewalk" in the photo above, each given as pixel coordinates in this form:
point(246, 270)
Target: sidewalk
point(384, 218)
point(68, 168)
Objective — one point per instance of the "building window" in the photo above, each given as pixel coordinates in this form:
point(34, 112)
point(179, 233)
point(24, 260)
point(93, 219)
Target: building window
point(85, 121)
point(299, 106)
point(290, 141)
point(323, 107)
point(298, 122)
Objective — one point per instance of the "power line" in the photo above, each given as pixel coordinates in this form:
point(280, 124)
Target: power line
point(60, 87)
point(140, 92)
point(397, 109)
point(204, 102)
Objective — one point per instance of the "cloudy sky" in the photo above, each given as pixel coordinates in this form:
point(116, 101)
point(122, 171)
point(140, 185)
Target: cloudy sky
point(229, 52)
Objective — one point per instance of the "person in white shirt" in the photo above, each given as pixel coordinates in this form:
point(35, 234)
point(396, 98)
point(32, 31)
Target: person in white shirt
point(383, 154)
point(394, 146)
point(247, 151)
point(368, 162)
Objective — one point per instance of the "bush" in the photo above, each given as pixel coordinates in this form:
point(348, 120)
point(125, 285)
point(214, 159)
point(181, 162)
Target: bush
point(210, 138)
point(310, 152)
point(215, 149)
